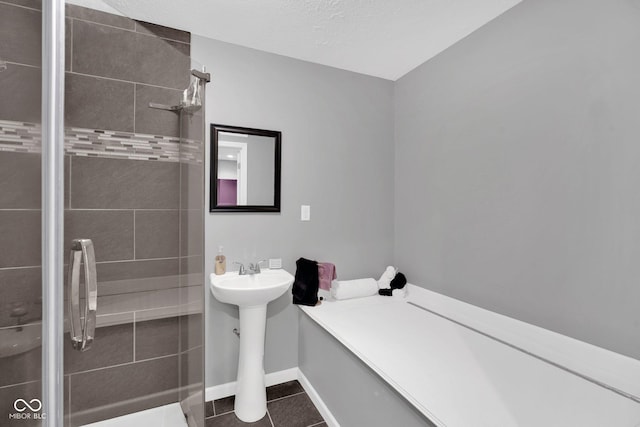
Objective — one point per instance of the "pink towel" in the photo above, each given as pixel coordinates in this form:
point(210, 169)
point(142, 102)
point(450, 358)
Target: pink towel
point(326, 273)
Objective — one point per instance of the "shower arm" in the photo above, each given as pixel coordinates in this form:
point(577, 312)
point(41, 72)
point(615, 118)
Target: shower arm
point(165, 107)
point(203, 76)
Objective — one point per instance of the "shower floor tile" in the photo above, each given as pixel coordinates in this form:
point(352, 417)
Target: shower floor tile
point(288, 405)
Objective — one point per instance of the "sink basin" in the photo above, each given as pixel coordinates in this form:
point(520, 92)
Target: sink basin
point(251, 293)
point(250, 290)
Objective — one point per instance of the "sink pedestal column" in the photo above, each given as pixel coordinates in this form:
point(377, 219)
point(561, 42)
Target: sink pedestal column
point(251, 393)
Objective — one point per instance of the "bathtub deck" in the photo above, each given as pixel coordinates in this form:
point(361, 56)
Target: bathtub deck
point(458, 377)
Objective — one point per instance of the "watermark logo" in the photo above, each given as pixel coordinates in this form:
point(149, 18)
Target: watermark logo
point(27, 410)
point(21, 405)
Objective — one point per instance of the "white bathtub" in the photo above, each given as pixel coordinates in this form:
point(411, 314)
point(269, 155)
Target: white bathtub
point(459, 365)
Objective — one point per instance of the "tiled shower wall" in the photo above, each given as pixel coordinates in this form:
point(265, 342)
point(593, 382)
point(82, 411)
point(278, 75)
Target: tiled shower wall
point(132, 185)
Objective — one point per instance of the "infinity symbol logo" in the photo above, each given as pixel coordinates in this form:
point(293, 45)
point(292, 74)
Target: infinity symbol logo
point(37, 405)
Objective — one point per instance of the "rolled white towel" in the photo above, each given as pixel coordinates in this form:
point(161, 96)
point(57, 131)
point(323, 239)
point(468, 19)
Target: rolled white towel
point(385, 280)
point(345, 289)
point(399, 293)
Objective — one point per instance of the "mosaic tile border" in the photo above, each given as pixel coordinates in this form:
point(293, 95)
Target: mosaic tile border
point(21, 137)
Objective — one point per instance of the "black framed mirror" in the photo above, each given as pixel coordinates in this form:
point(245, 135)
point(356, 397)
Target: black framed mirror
point(245, 169)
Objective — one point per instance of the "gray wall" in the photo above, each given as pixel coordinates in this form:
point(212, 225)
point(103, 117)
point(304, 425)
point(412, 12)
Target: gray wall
point(355, 394)
point(517, 169)
point(337, 156)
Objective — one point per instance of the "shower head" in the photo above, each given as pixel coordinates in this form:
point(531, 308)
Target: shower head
point(192, 96)
point(3, 65)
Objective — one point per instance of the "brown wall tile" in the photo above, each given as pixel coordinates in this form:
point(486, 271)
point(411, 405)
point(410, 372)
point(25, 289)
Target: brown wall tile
point(20, 288)
point(20, 88)
point(21, 367)
point(99, 17)
point(191, 370)
point(192, 127)
point(34, 4)
point(20, 243)
point(193, 264)
point(67, 177)
point(137, 269)
point(154, 69)
point(110, 392)
point(110, 231)
point(20, 180)
point(112, 345)
point(137, 286)
point(191, 327)
point(25, 49)
point(96, 103)
point(163, 32)
point(155, 338)
point(157, 234)
point(66, 400)
point(68, 31)
point(154, 121)
point(116, 57)
point(192, 186)
point(191, 232)
point(123, 184)
point(121, 52)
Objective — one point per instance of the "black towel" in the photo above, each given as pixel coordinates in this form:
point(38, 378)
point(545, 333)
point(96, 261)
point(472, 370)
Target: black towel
point(398, 282)
point(305, 287)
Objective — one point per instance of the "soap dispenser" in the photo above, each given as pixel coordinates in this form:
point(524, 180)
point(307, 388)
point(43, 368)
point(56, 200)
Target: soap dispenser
point(221, 262)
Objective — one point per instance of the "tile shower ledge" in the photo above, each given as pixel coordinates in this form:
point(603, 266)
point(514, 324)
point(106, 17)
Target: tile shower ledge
point(141, 306)
point(148, 305)
point(465, 356)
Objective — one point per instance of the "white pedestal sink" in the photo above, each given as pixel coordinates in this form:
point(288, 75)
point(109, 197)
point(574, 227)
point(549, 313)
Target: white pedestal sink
point(251, 293)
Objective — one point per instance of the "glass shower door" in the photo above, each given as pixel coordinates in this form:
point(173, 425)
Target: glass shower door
point(131, 213)
point(20, 213)
point(133, 173)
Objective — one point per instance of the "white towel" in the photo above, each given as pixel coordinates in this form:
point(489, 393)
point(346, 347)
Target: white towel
point(385, 280)
point(345, 289)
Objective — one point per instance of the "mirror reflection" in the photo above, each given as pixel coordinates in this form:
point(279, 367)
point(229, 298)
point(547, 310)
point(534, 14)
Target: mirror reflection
point(246, 169)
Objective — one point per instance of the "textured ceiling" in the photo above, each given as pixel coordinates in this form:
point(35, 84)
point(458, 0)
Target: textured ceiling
point(382, 38)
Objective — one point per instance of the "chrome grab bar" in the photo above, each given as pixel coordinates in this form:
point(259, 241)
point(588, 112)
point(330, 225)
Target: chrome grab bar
point(82, 329)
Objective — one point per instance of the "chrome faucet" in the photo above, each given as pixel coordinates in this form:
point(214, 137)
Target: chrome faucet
point(255, 267)
point(241, 270)
point(252, 269)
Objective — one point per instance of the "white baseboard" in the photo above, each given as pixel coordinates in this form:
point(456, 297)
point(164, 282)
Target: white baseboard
point(229, 389)
point(317, 400)
point(281, 376)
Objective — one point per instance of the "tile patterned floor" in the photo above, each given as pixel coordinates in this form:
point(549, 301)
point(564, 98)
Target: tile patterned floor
point(287, 406)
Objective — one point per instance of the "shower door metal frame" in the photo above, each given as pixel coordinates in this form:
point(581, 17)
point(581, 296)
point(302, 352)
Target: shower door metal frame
point(53, 40)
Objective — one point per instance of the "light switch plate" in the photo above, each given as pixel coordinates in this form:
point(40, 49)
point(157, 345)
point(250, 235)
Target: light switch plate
point(305, 213)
